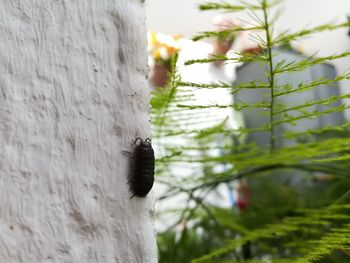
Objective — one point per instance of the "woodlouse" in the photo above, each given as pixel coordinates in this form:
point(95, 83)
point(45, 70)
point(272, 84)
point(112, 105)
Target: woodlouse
point(142, 168)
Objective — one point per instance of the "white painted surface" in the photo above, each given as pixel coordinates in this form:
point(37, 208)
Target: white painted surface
point(73, 94)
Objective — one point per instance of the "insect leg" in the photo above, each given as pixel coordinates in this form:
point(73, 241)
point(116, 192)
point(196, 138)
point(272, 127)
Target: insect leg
point(134, 142)
point(128, 153)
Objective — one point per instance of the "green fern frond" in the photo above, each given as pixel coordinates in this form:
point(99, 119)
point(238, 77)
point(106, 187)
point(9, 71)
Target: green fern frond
point(195, 136)
point(222, 34)
point(288, 37)
point(283, 67)
point(232, 57)
point(318, 83)
point(337, 238)
point(223, 6)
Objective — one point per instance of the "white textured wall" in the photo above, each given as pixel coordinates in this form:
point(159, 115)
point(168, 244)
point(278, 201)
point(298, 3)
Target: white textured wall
point(73, 94)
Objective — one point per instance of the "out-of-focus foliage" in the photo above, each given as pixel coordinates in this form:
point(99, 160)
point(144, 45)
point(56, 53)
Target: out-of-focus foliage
point(299, 205)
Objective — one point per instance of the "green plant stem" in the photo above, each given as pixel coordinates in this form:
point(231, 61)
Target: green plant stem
point(172, 85)
point(299, 166)
point(271, 75)
point(212, 184)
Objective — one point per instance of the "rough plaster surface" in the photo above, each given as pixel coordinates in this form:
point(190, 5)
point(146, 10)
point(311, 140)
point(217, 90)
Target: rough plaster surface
point(73, 94)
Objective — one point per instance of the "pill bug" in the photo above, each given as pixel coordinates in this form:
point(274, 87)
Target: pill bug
point(142, 168)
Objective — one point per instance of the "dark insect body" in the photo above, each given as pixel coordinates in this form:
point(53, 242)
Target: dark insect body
point(142, 168)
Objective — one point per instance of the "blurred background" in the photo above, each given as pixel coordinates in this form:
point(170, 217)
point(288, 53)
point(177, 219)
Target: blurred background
point(182, 17)
point(191, 224)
